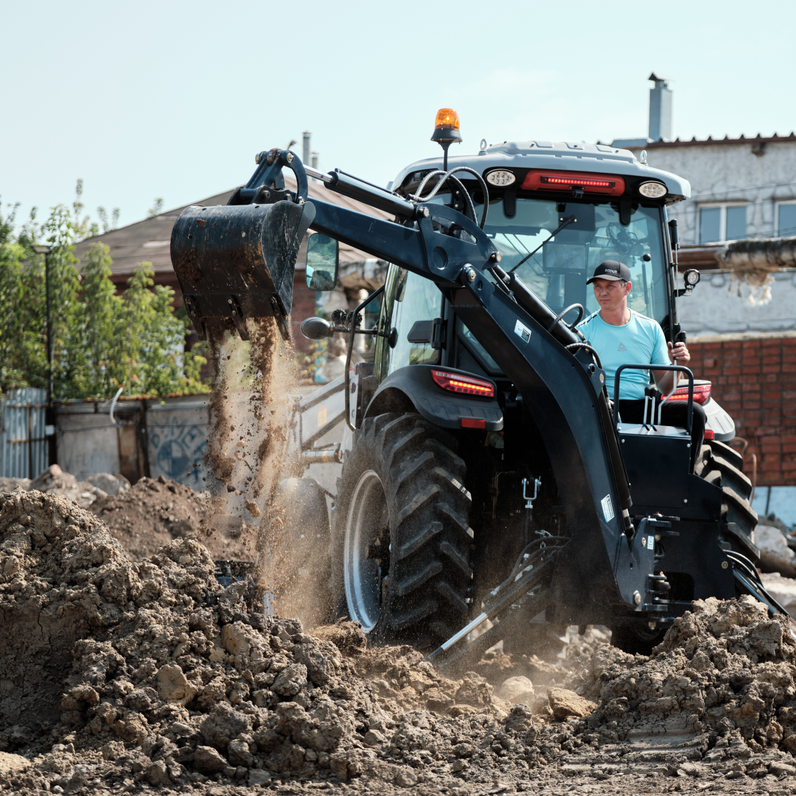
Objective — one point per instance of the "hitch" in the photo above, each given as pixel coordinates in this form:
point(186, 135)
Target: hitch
point(512, 604)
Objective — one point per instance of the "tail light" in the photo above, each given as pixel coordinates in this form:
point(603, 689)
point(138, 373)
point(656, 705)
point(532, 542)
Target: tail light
point(701, 393)
point(607, 184)
point(465, 385)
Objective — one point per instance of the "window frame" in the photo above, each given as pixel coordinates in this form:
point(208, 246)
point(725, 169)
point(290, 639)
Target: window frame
point(722, 207)
point(777, 205)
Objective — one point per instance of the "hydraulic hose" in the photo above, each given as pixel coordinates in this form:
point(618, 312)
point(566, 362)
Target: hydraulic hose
point(449, 175)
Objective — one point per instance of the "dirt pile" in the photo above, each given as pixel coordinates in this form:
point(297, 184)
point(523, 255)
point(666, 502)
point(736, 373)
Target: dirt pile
point(726, 669)
point(117, 675)
point(122, 672)
point(55, 481)
point(154, 512)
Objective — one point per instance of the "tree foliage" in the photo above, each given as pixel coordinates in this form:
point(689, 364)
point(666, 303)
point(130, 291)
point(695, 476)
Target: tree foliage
point(101, 340)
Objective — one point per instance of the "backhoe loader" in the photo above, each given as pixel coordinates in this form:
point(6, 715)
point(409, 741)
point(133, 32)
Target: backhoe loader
point(484, 474)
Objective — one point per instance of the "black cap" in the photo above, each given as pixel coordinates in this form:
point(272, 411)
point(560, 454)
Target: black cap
point(612, 270)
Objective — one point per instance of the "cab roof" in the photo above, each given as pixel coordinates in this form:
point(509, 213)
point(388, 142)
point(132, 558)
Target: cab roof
point(561, 156)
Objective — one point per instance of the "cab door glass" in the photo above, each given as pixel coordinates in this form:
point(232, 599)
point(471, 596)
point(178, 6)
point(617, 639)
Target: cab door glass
point(556, 268)
point(408, 298)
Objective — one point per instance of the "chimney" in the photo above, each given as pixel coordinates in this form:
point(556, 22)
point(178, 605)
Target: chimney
point(305, 154)
point(660, 109)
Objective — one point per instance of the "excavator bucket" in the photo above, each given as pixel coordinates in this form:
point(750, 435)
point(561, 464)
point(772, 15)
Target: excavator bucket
point(236, 262)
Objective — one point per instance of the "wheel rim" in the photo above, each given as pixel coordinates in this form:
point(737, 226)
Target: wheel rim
point(366, 552)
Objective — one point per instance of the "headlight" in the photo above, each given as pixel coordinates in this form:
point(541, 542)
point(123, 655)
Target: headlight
point(691, 278)
point(652, 190)
point(500, 177)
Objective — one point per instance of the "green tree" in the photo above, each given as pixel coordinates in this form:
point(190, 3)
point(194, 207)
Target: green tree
point(100, 341)
point(64, 289)
point(96, 366)
point(14, 354)
point(154, 347)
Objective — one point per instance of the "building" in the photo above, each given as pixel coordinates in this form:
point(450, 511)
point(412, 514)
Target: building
point(739, 230)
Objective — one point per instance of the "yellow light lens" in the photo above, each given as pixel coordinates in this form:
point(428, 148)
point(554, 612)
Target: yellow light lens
point(447, 119)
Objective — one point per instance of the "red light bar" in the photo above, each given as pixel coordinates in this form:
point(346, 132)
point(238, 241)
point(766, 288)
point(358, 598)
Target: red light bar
point(473, 422)
point(701, 393)
point(607, 184)
point(466, 385)
point(709, 433)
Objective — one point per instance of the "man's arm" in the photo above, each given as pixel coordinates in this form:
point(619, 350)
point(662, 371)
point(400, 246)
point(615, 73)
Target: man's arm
point(678, 355)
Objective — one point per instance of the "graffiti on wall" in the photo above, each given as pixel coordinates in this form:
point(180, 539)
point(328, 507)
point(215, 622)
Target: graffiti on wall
point(177, 449)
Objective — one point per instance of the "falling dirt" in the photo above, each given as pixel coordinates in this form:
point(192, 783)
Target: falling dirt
point(248, 459)
point(124, 676)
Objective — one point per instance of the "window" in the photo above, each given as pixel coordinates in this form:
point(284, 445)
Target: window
point(718, 223)
point(556, 268)
point(786, 220)
point(407, 298)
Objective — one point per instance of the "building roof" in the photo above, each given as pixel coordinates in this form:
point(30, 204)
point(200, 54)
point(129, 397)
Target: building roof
point(709, 141)
point(149, 240)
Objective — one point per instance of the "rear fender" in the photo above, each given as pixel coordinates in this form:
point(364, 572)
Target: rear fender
point(718, 421)
point(412, 388)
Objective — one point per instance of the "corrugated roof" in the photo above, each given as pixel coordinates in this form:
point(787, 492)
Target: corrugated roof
point(149, 240)
point(710, 141)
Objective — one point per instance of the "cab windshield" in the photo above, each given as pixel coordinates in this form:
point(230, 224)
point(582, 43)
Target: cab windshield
point(557, 270)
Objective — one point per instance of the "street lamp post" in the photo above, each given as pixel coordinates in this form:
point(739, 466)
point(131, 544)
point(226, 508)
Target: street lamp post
point(49, 418)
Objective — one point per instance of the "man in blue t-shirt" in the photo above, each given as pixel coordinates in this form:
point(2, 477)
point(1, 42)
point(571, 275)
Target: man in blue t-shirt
point(622, 337)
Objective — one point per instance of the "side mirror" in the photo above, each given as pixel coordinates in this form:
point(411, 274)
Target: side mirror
point(316, 328)
point(322, 261)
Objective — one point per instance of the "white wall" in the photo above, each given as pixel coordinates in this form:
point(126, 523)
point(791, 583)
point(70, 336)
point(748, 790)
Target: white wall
point(715, 308)
point(727, 172)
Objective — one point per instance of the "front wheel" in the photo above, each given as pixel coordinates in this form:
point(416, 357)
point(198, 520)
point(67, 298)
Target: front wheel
point(400, 534)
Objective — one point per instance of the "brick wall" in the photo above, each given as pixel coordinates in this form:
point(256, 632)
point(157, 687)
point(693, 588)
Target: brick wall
point(754, 379)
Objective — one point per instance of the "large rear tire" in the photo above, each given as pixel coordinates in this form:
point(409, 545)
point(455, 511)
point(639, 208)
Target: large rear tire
point(719, 464)
point(400, 534)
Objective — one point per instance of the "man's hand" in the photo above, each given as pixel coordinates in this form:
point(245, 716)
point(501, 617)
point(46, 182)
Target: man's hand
point(679, 354)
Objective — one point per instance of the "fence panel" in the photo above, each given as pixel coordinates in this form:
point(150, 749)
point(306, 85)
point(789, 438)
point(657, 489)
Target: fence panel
point(23, 443)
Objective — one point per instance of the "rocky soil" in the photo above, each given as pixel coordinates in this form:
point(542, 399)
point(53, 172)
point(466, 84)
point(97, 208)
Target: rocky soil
point(121, 675)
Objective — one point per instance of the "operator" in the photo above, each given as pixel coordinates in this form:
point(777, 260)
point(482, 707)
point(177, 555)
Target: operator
point(622, 336)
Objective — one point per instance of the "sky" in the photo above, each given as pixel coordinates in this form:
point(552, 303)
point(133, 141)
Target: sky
point(173, 99)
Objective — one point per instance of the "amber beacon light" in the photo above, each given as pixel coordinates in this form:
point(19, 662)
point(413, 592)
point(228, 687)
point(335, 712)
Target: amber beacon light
point(446, 130)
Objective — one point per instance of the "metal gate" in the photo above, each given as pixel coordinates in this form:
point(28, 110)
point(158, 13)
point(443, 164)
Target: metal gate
point(23, 444)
